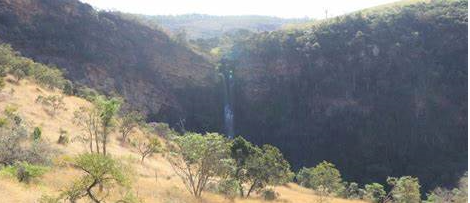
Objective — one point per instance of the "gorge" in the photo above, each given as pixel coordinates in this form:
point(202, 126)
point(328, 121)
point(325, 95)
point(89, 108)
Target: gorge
point(380, 92)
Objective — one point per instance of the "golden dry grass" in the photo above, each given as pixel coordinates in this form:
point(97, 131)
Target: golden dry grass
point(154, 180)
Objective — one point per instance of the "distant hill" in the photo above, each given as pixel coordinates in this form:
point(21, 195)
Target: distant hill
point(202, 26)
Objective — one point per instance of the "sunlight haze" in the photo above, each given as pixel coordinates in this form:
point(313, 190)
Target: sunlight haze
point(281, 8)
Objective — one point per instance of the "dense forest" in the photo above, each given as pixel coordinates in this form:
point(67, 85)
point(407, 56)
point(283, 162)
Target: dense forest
point(379, 93)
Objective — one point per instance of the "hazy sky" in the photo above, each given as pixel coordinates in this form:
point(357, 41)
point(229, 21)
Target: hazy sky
point(280, 8)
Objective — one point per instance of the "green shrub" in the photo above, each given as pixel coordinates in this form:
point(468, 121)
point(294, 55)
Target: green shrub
point(405, 189)
point(68, 88)
point(374, 192)
point(229, 188)
point(24, 172)
point(37, 134)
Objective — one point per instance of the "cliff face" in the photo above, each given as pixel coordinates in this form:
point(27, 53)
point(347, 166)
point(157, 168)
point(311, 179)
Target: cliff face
point(379, 93)
point(112, 54)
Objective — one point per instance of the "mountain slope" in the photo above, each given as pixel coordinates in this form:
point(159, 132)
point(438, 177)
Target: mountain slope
point(112, 54)
point(381, 93)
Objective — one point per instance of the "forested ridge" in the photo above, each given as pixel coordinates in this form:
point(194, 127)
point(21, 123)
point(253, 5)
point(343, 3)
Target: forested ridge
point(378, 93)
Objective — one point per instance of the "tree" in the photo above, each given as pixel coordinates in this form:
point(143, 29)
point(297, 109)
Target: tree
point(88, 118)
point(98, 121)
point(197, 159)
point(303, 177)
point(107, 109)
point(20, 68)
point(265, 167)
point(325, 174)
point(148, 144)
point(100, 170)
point(241, 150)
point(405, 189)
point(374, 192)
point(128, 122)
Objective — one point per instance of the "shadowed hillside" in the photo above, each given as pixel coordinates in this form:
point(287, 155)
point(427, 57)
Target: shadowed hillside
point(379, 93)
point(115, 55)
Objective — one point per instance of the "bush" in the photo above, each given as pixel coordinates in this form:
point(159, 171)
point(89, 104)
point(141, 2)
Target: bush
point(374, 192)
point(37, 134)
point(229, 188)
point(15, 146)
point(405, 189)
point(63, 137)
point(269, 194)
point(24, 171)
point(68, 88)
point(353, 191)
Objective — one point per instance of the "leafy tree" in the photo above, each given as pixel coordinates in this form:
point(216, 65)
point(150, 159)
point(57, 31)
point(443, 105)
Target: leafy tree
point(325, 174)
point(266, 166)
point(98, 121)
point(197, 159)
point(100, 170)
point(374, 192)
point(128, 122)
point(405, 189)
point(108, 109)
point(241, 150)
point(303, 177)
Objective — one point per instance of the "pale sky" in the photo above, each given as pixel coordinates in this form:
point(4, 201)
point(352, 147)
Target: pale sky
point(279, 8)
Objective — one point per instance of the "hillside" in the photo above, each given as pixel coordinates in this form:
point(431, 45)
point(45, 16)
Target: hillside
point(379, 93)
point(115, 55)
point(154, 181)
point(199, 26)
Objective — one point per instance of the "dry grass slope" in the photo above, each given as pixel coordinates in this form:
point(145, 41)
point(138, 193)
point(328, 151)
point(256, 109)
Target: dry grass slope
point(154, 180)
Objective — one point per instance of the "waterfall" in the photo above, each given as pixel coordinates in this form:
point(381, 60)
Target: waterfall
point(228, 107)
